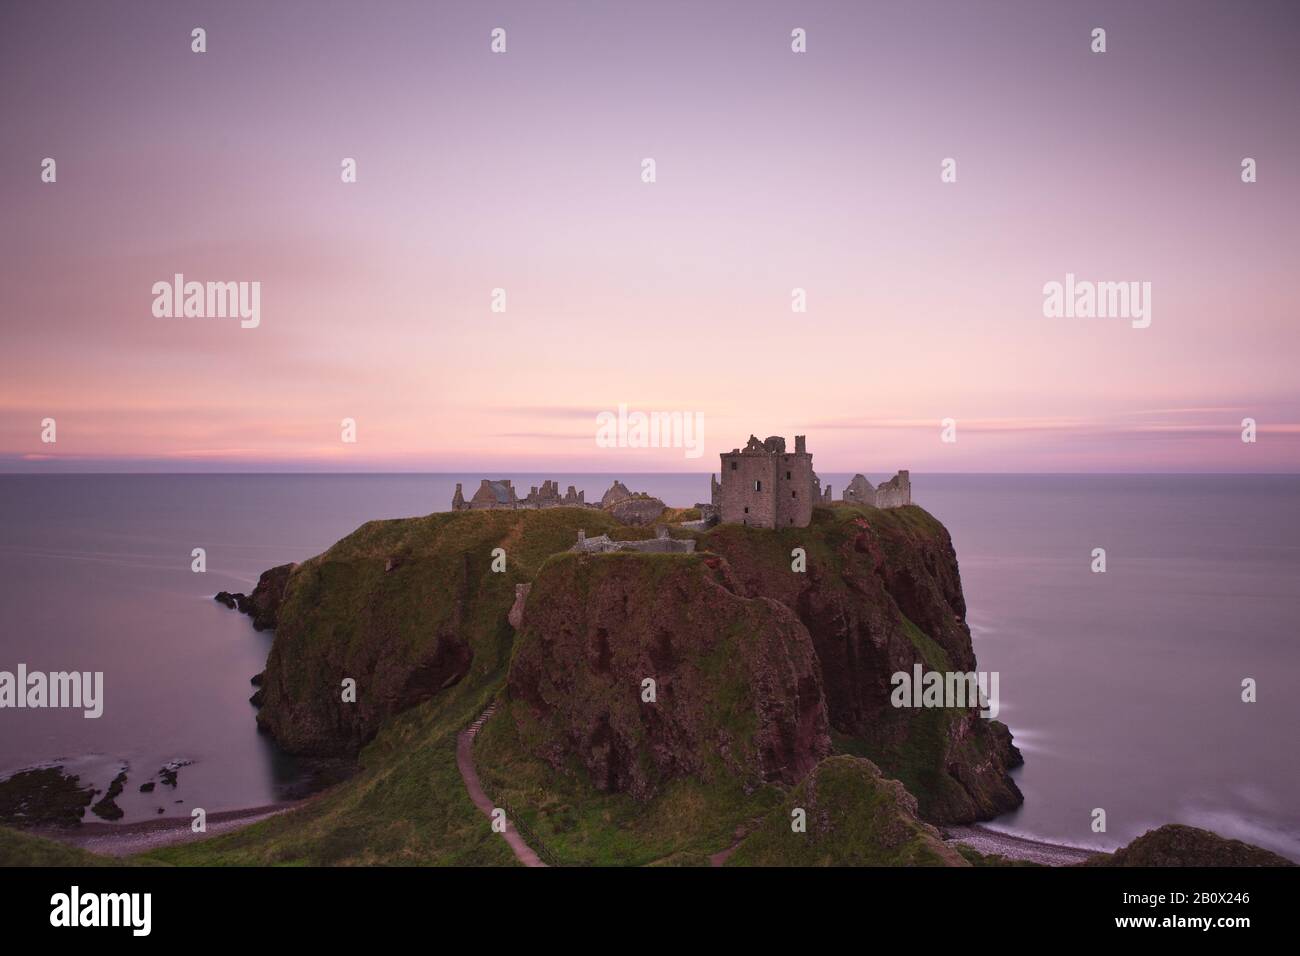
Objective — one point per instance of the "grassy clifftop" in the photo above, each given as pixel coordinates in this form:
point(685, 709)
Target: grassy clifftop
point(755, 664)
point(406, 608)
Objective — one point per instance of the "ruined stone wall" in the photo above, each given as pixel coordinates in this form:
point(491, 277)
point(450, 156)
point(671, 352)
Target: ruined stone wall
point(486, 497)
point(896, 492)
point(547, 496)
point(859, 491)
point(748, 489)
point(794, 491)
point(617, 492)
point(661, 544)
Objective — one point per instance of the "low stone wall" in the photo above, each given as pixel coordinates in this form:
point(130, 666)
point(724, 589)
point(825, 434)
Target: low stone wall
point(604, 544)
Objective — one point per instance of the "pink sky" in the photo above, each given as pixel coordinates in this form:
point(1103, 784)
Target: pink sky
point(775, 171)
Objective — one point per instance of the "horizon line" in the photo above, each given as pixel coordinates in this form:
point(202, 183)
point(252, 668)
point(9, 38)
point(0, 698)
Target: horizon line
point(379, 472)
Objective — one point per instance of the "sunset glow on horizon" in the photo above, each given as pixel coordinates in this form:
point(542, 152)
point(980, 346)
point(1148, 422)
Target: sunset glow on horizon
point(775, 171)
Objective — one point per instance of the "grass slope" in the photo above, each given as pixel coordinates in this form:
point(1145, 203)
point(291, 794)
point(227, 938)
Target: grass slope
point(25, 849)
point(854, 817)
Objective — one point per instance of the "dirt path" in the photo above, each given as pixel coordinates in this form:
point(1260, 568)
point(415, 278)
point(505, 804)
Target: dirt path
point(745, 829)
point(720, 858)
point(465, 763)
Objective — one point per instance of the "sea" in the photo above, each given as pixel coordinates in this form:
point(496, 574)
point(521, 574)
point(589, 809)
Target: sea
point(1123, 688)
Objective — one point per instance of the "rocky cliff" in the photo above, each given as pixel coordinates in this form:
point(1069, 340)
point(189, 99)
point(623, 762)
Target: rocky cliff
point(880, 593)
point(758, 666)
point(263, 605)
point(405, 608)
point(644, 668)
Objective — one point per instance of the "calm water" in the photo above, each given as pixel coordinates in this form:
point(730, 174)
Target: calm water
point(1122, 688)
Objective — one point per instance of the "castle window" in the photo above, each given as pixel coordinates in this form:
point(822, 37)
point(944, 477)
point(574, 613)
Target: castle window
point(733, 466)
point(787, 476)
point(746, 509)
point(758, 486)
point(794, 494)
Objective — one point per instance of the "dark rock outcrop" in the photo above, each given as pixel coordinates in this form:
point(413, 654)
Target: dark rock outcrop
point(168, 772)
point(852, 816)
point(516, 615)
point(264, 603)
point(881, 593)
point(106, 807)
point(45, 796)
point(1177, 845)
point(737, 688)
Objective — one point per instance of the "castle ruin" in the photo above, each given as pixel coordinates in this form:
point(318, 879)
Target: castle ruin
point(894, 493)
point(500, 495)
point(765, 486)
point(661, 543)
point(629, 507)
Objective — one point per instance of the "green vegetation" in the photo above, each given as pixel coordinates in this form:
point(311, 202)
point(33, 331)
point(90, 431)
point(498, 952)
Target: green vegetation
point(409, 578)
point(25, 849)
point(386, 598)
point(881, 593)
point(1176, 844)
point(854, 817)
point(579, 825)
point(407, 806)
point(692, 772)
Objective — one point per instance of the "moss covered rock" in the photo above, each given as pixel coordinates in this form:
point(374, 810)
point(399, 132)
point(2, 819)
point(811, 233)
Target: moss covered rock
point(736, 684)
point(1177, 845)
point(405, 608)
point(881, 593)
point(853, 816)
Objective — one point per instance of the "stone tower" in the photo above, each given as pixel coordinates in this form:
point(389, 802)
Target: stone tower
point(765, 486)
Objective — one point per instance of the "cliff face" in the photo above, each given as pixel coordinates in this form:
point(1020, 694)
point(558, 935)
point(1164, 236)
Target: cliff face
point(264, 603)
point(755, 663)
point(881, 593)
point(737, 685)
point(406, 609)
